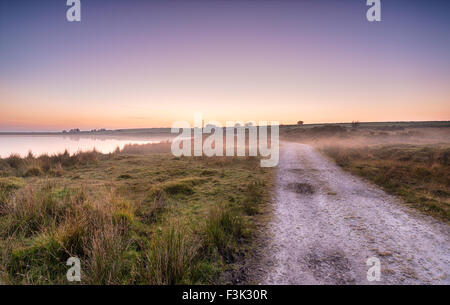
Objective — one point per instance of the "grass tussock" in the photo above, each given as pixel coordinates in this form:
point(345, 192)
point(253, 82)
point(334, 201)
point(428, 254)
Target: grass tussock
point(51, 223)
point(223, 230)
point(253, 197)
point(170, 255)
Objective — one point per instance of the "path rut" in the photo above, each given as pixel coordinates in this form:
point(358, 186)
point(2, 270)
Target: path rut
point(327, 223)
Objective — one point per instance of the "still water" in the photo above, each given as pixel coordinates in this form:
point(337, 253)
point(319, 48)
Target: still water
point(53, 144)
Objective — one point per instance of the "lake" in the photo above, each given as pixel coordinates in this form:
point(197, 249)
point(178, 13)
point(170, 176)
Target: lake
point(53, 144)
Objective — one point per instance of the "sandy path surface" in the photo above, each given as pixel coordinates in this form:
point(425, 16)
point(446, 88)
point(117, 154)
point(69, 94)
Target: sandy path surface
point(328, 222)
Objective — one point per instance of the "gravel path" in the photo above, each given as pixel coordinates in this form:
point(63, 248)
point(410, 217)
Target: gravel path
point(328, 222)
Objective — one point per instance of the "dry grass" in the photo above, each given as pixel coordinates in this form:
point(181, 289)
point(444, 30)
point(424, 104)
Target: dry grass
point(407, 159)
point(146, 218)
point(170, 255)
point(419, 174)
point(54, 165)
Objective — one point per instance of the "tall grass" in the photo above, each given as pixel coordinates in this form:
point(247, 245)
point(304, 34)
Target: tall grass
point(170, 255)
point(58, 222)
point(153, 226)
point(162, 147)
point(223, 229)
point(105, 254)
point(53, 165)
point(52, 222)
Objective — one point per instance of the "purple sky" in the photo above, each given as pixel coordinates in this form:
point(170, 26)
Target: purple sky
point(149, 63)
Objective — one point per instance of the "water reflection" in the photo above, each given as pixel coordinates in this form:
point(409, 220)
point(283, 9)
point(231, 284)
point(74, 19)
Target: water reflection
point(53, 144)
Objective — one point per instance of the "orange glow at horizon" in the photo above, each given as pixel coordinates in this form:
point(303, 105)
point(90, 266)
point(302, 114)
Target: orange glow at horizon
point(287, 99)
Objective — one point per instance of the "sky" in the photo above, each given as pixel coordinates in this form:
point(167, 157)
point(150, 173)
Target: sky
point(137, 64)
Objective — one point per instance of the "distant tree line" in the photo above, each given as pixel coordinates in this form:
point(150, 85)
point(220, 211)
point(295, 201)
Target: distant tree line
point(77, 130)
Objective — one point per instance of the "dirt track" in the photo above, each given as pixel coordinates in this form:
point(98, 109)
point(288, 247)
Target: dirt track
point(328, 222)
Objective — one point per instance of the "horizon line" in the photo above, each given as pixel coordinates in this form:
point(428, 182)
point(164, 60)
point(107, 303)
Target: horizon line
point(150, 128)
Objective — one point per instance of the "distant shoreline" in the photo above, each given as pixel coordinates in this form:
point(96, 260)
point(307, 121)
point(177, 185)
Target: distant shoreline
point(166, 130)
point(116, 132)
